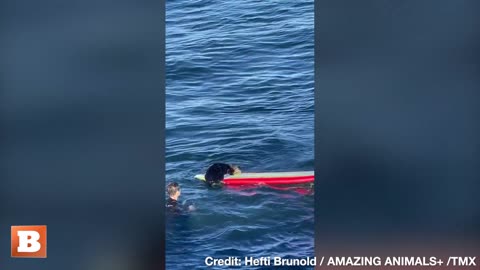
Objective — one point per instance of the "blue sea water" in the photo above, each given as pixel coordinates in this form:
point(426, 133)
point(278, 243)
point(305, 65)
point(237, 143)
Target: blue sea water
point(239, 89)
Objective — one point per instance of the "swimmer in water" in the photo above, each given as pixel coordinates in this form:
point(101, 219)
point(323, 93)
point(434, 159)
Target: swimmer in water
point(216, 173)
point(173, 191)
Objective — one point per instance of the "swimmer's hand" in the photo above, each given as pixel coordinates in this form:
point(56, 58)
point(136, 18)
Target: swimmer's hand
point(191, 208)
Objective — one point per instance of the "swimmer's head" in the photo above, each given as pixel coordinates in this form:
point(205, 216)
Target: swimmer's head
point(173, 190)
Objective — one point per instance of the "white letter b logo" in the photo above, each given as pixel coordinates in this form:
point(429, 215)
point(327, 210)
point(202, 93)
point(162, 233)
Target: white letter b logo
point(28, 241)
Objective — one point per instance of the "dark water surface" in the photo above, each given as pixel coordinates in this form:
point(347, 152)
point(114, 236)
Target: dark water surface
point(239, 90)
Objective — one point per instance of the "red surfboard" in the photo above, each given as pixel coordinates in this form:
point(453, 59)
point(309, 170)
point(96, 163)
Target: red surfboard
point(273, 178)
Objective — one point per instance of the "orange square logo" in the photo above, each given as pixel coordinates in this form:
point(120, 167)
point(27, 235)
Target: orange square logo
point(29, 241)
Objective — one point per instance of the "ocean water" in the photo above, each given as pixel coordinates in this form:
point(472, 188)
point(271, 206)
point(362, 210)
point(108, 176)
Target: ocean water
point(239, 89)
